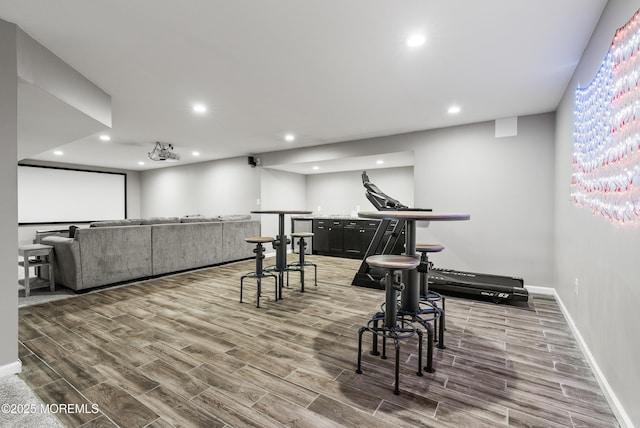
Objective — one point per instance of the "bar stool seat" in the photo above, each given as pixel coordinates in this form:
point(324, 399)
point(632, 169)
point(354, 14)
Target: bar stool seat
point(395, 327)
point(302, 234)
point(259, 239)
point(432, 304)
point(300, 265)
point(393, 262)
point(429, 248)
point(259, 273)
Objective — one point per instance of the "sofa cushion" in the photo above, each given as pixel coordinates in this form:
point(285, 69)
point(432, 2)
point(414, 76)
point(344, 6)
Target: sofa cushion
point(111, 223)
point(160, 220)
point(182, 246)
point(198, 219)
point(233, 234)
point(66, 262)
point(235, 217)
point(114, 254)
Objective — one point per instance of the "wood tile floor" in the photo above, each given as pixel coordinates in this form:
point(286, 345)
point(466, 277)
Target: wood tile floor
point(182, 351)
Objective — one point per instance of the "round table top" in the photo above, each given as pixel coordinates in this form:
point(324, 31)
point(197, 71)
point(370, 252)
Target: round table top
point(281, 212)
point(414, 215)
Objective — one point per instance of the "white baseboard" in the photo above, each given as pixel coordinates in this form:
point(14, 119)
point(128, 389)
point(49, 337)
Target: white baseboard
point(541, 290)
point(11, 368)
point(616, 406)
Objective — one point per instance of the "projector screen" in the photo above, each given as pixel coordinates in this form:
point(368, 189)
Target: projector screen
point(49, 195)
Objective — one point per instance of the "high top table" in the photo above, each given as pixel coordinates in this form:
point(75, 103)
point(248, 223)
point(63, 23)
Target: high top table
point(410, 295)
point(281, 240)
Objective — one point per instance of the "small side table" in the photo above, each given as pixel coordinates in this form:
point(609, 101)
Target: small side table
point(35, 255)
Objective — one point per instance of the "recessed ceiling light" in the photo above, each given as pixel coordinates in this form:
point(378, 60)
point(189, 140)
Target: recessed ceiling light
point(140, 163)
point(379, 162)
point(58, 153)
point(454, 109)
point(316, 167)
point(105, 137)
point(199, 108)
point(195, 153)
point(289, 137)
point(416, 40)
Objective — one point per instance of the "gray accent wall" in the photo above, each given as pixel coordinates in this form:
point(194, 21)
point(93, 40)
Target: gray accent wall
point(9, 362)
point(602, 258)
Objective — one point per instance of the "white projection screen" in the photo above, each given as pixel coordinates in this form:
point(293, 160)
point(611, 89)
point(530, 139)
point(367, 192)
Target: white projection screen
point(48, 195)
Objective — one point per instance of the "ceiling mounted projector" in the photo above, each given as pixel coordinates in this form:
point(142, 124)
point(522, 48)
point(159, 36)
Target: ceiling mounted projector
point(163, 152)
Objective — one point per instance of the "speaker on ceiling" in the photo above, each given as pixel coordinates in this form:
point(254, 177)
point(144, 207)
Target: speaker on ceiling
point(253, 161)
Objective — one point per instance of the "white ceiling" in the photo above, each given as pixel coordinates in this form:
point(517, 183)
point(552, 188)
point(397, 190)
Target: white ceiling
point(325, 70)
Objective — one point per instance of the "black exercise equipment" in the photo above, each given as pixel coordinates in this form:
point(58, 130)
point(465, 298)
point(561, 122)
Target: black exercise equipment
point(497, 288)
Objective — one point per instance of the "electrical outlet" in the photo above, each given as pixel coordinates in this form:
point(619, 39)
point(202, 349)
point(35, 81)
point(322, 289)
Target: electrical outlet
point(575, 289)
point(319, 208)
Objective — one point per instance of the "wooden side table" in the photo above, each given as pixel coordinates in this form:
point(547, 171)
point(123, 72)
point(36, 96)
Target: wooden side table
point(36, 255)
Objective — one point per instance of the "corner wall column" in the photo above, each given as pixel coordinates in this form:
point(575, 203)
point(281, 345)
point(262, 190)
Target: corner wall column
point(9, 362)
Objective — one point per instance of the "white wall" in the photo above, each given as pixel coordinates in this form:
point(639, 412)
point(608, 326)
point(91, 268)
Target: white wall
point(603, 257)
point(343, 192)
point(213, 188)
point(504, 183)
point(280, 190)
point(9, 362)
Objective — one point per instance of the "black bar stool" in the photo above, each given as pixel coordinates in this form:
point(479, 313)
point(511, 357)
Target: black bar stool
point(260, 272)
point(301, 263)
point(395, 327)
point(432, 305)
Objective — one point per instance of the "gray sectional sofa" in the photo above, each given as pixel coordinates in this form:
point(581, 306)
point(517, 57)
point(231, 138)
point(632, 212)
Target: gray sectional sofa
point(126, 250)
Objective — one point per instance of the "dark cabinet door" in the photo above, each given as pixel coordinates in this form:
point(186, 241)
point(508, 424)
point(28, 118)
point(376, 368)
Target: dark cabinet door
point(320, 236)
point(357, 236)
point(352, 234)
point(368, 229)
point(336, 238)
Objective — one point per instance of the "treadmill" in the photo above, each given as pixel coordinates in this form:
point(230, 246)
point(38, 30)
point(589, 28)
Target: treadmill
point(389, 239)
